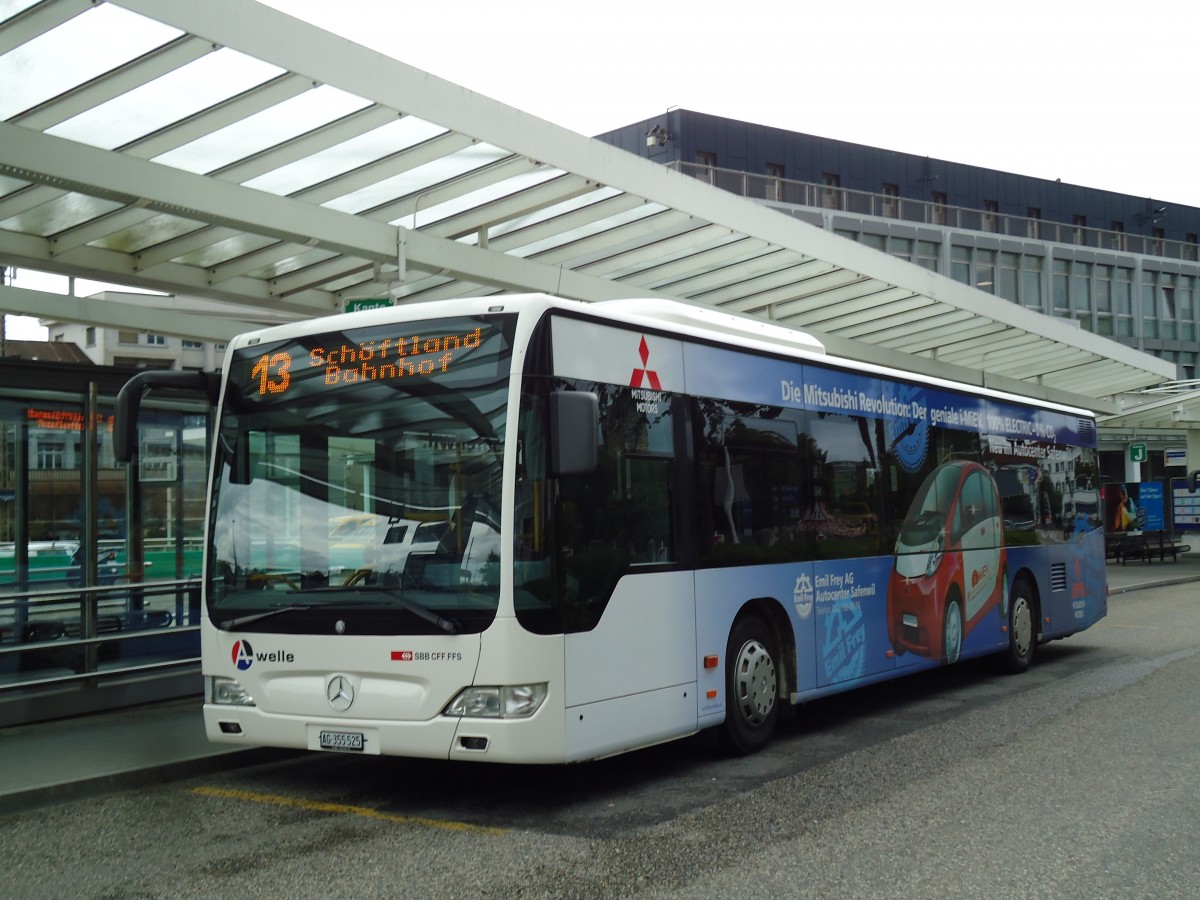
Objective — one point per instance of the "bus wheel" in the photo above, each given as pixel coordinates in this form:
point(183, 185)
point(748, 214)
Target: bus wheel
point(1022, 641)
point(952, 633)
point(751, 687)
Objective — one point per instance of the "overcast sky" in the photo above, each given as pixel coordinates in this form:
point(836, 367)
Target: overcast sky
point(1095, 93)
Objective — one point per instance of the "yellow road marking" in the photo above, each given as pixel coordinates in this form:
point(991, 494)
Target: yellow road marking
point(344, 809)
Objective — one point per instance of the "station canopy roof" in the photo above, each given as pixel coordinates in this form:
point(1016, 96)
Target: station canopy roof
point(1171, 406)
point(224, 150)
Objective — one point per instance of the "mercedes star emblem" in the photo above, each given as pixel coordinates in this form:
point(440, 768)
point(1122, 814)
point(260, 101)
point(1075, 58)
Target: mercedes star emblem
point(339, 692)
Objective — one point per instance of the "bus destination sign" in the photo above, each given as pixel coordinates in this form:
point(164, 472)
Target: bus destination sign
point(345, 363)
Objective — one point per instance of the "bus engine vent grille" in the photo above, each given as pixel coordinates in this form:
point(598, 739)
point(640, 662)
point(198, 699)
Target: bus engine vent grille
point(1087, 432)
point(1058, 577)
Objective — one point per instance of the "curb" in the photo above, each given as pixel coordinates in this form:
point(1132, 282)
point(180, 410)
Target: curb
point(133, 779)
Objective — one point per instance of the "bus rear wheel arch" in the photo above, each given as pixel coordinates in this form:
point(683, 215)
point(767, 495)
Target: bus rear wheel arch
point(752, 693)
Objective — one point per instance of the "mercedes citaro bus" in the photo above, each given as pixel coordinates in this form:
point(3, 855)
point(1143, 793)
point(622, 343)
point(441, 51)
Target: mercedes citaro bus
point(631, 520)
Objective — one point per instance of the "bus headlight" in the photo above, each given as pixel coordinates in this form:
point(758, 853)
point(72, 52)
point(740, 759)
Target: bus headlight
point(935, 556)
point(227, 692)
point(512, 701)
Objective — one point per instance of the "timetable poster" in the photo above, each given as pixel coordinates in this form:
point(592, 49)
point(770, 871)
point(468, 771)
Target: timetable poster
point(1185, 505)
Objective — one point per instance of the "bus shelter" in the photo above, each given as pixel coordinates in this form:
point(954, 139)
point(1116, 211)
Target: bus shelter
point(99, 573)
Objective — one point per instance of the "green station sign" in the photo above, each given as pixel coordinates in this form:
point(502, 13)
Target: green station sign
point(354, 304)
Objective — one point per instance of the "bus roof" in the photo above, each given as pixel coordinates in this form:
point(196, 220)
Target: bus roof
point(672, 315)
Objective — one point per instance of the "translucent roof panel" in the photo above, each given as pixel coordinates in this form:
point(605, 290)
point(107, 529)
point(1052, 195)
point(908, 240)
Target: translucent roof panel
point(419, 179)
point(52, 63)
point(379, 143)
point(207, 81)
point(273, 126)
point(10, 8)
point(67, 211)
point(509, 187)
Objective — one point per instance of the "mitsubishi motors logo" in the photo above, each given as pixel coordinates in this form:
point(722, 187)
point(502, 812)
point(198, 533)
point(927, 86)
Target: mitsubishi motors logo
point(650, 375)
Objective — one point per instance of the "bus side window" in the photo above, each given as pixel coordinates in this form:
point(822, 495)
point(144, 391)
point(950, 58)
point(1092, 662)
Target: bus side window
point(749, 484)
point(648, 485)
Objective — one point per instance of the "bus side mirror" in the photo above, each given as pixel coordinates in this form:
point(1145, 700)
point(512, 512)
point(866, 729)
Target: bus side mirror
point(129, 401)
point(1191, 479)
point(574, 426)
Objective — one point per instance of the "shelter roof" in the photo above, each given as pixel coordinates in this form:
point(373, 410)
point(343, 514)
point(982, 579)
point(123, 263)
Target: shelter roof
point(225, 150)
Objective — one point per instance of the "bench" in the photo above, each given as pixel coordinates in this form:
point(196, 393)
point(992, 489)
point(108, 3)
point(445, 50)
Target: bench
point(1113, 546)
point(1159, 543)
point(1123, 546)
point(1145, 546)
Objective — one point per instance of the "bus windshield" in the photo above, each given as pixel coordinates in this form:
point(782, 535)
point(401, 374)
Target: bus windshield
point(357, 485)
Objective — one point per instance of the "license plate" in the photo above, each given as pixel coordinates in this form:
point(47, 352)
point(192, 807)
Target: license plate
point(341, 740)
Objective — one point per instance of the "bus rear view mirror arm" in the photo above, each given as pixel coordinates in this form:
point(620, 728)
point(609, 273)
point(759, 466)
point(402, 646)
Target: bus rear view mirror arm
point(129, 401)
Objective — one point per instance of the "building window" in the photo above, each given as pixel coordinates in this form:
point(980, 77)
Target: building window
point(127, 337)
point(991, 215)
point(831, 196)
point(1081, 293)
point(938, 211)
point(891, 200)
point(1149, 305)
point(875, 241)
point(1061, 288)
point(775, 182)
point(1123, 300)
point(51, 454)
point(1117, 238)
point(1031, 282)
point(927, 255)
point(1187, 309)
point(1167, 311)
point(156, 340)
point(960, 264)
point(192, 345)
point(985, 270)
point(1080, 224)
point(89, 336)
point(1009, 276)
point(1102, 299)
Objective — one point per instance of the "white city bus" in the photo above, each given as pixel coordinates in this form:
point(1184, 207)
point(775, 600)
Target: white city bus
point(530, 530)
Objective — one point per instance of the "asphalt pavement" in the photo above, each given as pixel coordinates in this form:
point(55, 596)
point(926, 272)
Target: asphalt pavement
point(140, 746)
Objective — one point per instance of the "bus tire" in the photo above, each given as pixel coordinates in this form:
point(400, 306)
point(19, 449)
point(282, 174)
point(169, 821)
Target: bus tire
point(751, 687)
point(952, 632)
point(1022, 634)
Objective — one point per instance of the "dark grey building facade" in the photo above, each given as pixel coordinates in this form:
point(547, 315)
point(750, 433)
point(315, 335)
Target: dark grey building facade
point(1121, 266)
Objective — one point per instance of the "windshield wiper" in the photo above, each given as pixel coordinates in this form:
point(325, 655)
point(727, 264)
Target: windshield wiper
point(450, 626)
point(248, 619)
point(237, 622)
